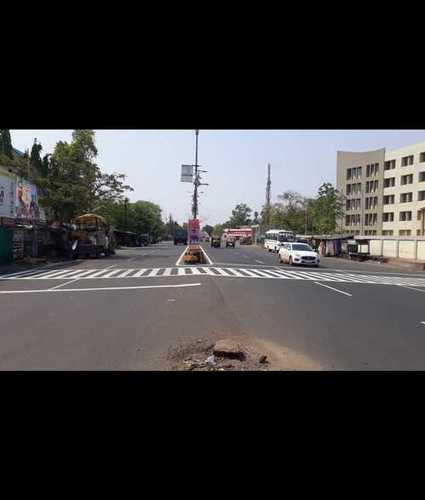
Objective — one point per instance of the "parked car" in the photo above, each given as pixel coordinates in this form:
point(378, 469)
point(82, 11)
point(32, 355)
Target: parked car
point(298, 253)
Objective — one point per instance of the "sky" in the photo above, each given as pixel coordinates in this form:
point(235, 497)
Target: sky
point(236, 161)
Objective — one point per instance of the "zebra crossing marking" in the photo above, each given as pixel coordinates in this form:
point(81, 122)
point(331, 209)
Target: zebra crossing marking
point(216, 271)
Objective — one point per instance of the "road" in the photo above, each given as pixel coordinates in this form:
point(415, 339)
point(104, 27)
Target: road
point(125, 311)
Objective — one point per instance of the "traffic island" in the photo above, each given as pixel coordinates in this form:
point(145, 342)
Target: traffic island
point(194, 255)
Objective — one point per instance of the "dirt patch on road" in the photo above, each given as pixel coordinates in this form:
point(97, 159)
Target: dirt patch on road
point(201, 354)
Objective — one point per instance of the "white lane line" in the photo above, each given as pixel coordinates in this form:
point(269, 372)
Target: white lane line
point(334, 289)
point(259, 261)
point(422, 322)
point(181, 256)
point(207, 257)
point(63, 284)
point(111, 288)
point(411, 288)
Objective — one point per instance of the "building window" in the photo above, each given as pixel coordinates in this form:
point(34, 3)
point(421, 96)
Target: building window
point(407, 160)
point(406, 179)
point(389, 182)
point(419, 215)
point(348, 189)
point(418, 232)
point(405, 216)
point(348, 174)
point(404, 232)
point(421, 195)
point(422, 157)
point(347, 220)
point(389, 199)
point(387, 232)
point(421, 176)
point(389, 165)
point(388, 217)
point(406, 197)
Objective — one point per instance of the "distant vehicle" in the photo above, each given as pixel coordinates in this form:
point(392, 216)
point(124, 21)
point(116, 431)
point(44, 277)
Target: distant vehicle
point(215, 241)
point(298, 253)
point(180, 237)
point(274, 238)
point(92, 236)
point(230, 242)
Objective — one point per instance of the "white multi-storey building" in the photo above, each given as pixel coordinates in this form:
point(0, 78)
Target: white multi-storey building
point(384, 191)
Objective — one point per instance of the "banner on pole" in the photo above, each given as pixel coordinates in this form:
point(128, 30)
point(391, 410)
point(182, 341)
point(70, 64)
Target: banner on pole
point(187, 173)
point(194, 231)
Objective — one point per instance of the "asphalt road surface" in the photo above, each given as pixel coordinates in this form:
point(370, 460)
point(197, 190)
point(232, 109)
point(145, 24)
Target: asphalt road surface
point(124, 311)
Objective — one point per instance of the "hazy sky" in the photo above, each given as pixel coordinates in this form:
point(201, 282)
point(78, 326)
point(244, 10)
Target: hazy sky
point(236, 161)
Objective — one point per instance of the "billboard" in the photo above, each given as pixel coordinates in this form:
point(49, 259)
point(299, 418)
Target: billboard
point(194, 231)
point(7, 193)
point(26, 200)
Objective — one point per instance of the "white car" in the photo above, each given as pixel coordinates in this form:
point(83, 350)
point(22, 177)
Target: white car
point(298, 253)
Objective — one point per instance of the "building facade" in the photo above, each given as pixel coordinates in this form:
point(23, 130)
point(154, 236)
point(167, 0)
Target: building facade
point(384, 192)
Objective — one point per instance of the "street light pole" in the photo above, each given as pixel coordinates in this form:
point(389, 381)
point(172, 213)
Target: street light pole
point(195, 190)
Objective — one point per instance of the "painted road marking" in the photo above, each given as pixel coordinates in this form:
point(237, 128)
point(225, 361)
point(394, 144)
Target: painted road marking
point(411, 288)
point(110, 288)
point(206, 256)
point(181, 256)
point(63, 284)
point(334, 289)
point(235, 272)
point(259, 261)
point(422, 322)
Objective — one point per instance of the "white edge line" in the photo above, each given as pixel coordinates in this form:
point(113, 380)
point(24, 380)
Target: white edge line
point(181, 256)
point(335, 289)
point(51, 290)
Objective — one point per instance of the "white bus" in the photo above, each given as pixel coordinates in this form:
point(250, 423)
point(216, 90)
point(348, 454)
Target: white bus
point(274, 238)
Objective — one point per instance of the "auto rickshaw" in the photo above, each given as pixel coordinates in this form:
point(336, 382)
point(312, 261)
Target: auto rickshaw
point(215, 241)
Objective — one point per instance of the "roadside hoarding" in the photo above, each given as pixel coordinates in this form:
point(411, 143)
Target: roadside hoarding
point(194, 231)
point(7, 193)
point(26, 202)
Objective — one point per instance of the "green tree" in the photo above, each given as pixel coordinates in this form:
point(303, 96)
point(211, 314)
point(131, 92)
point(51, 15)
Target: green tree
point(327, 209)
point(289, 212)
point(208, 229)
point(240, 216)
point(75, 184)
point(35, 158)
point(6, 143)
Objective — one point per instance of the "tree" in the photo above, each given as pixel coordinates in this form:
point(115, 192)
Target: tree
point(6, 143)
point(74, 183)
point(256, 220)
point(35, 158)
point(240, 216)
point(208, 229)
point(326, 209)
point(289, 212)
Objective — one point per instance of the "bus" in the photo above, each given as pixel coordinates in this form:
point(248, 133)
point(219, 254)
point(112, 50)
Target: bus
point(275, 237)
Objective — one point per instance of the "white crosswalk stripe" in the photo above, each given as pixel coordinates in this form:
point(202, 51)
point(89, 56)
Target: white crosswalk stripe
point(215, 271)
